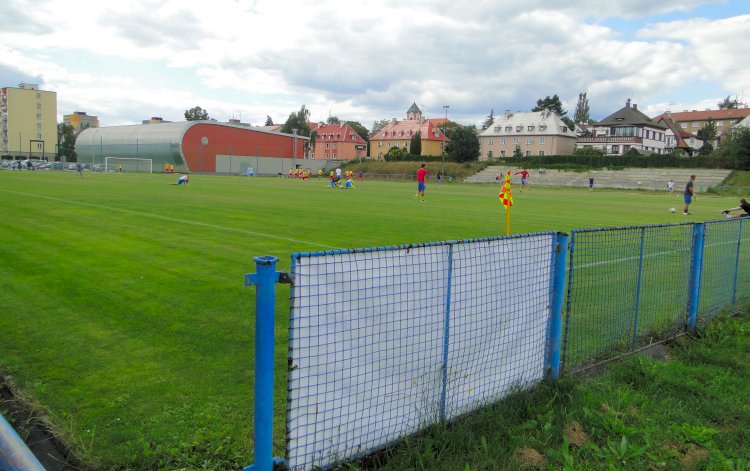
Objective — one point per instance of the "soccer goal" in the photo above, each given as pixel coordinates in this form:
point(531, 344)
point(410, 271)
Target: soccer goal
point(128, 164)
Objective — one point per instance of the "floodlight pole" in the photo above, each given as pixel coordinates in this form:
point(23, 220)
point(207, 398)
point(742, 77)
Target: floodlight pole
point(294, 151)
point(445, 127)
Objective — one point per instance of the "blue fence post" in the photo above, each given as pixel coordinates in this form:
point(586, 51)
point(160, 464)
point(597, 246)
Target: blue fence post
point(696, 268)
point(558, 295)
point(265, 305)
point(14, 454)
point(638, 288)
point(446, 333)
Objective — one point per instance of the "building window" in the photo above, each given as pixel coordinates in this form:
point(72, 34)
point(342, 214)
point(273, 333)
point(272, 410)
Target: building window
point(406, 144)
point(529, 140)
point(696, 124)
point(497, 129)
point(380, 143)
point(327, 156)
point(541, 152)
point(39, 116)
point(334, 145)
point(528, 153)
point(388, 144)
point(502, 153)
point(508, 128)
point(328, 145)
point(519, 128)
point(334, 156)
point(515, 140)
point(719, 124)
point(38, 126)
point(530, 128)
point(39, 106)
point(615, 149)
point(395, 144)
point(492, 141)
point(625, 149)
point(502, 140)
point(38, 96)
point(541, 141)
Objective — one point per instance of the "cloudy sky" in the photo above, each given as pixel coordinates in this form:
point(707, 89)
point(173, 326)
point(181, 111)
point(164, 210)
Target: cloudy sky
point(125, 61)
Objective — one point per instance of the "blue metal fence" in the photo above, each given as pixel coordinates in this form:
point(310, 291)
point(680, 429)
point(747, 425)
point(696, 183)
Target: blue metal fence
point(386, 341)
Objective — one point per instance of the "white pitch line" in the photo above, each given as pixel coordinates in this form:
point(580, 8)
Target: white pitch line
point(165, 218)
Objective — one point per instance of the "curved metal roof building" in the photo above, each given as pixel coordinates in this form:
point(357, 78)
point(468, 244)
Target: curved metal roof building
point(195, 146)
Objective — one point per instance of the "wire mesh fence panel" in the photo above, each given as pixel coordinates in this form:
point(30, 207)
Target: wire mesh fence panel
point(743, 262)
point(499, 314)
point(371, 333)
point(719, 277)
point(626, 287)
point(366, 351)
point(664, 286)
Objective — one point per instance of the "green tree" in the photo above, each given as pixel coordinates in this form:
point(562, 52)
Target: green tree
point(489, 121)
point(737, 146)
point(333, 120)
point(196, 114)
point(66, 143)
point(582, 110)
point(708, 133)
point(706, 148)
point(269, 121)
point(359, 129)
point(378, 125)
point(299, 121)
point(415, 146)
point(464, 144)
point(517, 152)
point(553, 103)
point(728, 103)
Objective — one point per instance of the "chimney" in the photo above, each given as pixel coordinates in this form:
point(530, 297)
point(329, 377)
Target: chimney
point(627, 103)
point(635, 106)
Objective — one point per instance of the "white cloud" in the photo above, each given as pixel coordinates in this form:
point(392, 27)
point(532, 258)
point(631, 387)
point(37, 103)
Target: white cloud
point(370, 62)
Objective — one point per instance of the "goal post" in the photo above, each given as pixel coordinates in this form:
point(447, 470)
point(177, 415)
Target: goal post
point(128, 164)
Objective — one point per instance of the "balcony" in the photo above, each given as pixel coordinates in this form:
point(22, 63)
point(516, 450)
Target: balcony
point(609, 140)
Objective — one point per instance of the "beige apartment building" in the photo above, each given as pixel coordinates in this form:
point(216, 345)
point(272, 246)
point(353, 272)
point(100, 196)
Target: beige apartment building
point(79, 120)
point(28, 122)
point(528, 133)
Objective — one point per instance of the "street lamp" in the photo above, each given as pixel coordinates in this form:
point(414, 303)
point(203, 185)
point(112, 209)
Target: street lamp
point(445, 127)
point(294, 150)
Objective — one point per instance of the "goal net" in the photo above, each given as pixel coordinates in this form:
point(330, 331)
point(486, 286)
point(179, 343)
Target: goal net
point(128, 164)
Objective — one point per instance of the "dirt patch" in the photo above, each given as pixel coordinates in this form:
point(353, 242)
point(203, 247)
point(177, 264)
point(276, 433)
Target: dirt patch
point(35, 430)
point(693, 457)
point(529, 458)
point(576, 435)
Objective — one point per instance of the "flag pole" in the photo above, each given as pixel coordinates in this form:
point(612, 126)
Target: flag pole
point(507, 220)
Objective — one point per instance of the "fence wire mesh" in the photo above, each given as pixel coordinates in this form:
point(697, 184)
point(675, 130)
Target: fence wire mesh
point(726, 258)
point(627, 287)
point(384, 342)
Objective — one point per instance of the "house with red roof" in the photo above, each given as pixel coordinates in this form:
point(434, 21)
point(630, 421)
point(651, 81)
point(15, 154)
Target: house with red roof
point(337, 142)
point(694, 121)
point(677, 137)
point(399, 134)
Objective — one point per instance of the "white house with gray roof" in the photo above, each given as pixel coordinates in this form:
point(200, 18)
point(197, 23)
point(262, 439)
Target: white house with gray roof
point(626, 129)
point(526, 134)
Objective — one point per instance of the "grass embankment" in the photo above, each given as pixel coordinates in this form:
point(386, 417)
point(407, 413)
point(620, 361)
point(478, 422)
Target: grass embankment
point(451, 169)
point(686, 410)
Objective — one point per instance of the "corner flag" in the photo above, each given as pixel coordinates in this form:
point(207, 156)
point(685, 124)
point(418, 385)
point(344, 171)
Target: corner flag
point(506, 197)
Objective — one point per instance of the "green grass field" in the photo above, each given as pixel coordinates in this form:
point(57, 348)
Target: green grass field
point(125, 317)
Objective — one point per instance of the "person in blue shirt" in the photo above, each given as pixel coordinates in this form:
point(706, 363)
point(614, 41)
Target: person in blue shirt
point(183, 180)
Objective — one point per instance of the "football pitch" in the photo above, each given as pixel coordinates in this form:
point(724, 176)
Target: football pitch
point(124, 312)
